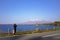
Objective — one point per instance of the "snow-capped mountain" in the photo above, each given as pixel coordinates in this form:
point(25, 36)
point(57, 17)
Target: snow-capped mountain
point(36, 22)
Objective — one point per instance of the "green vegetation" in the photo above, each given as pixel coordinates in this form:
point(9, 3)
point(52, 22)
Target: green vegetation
point(37, 31)
point(5, 34)
point(57, 23)
point(29, 32)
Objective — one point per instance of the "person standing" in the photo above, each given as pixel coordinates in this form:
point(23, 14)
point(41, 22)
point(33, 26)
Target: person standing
point(14, 31)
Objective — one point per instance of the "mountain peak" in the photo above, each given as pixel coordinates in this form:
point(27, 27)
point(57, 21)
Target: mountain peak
point(36, 21)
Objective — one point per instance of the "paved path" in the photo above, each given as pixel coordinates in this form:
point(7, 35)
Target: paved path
point(36, 36)
point(41, 36)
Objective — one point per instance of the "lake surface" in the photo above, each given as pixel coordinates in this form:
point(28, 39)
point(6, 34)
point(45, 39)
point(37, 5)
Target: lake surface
point(24, 28)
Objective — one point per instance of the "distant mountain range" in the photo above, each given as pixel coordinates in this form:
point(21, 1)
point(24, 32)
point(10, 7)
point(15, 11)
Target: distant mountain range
point(36, 22)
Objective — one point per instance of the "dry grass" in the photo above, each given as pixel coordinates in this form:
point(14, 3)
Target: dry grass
point(28, 32)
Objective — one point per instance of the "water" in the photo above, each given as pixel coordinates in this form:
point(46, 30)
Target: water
point(24, 28)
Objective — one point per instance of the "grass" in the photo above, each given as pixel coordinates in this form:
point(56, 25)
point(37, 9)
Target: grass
point(28, 32)
point(37, 31)
point(5, 34)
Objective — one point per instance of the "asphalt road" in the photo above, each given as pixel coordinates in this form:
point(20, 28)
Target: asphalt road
point(36, 36)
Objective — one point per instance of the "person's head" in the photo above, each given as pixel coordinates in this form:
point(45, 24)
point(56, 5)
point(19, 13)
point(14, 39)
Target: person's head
point(15, 25)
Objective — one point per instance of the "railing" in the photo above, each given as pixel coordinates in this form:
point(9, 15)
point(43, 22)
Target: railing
point(37, 30)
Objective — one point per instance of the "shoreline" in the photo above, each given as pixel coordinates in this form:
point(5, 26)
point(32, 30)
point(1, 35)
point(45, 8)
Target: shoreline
point(29, 32)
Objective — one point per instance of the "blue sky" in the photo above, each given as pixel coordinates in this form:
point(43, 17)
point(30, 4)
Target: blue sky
point(17, 11)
